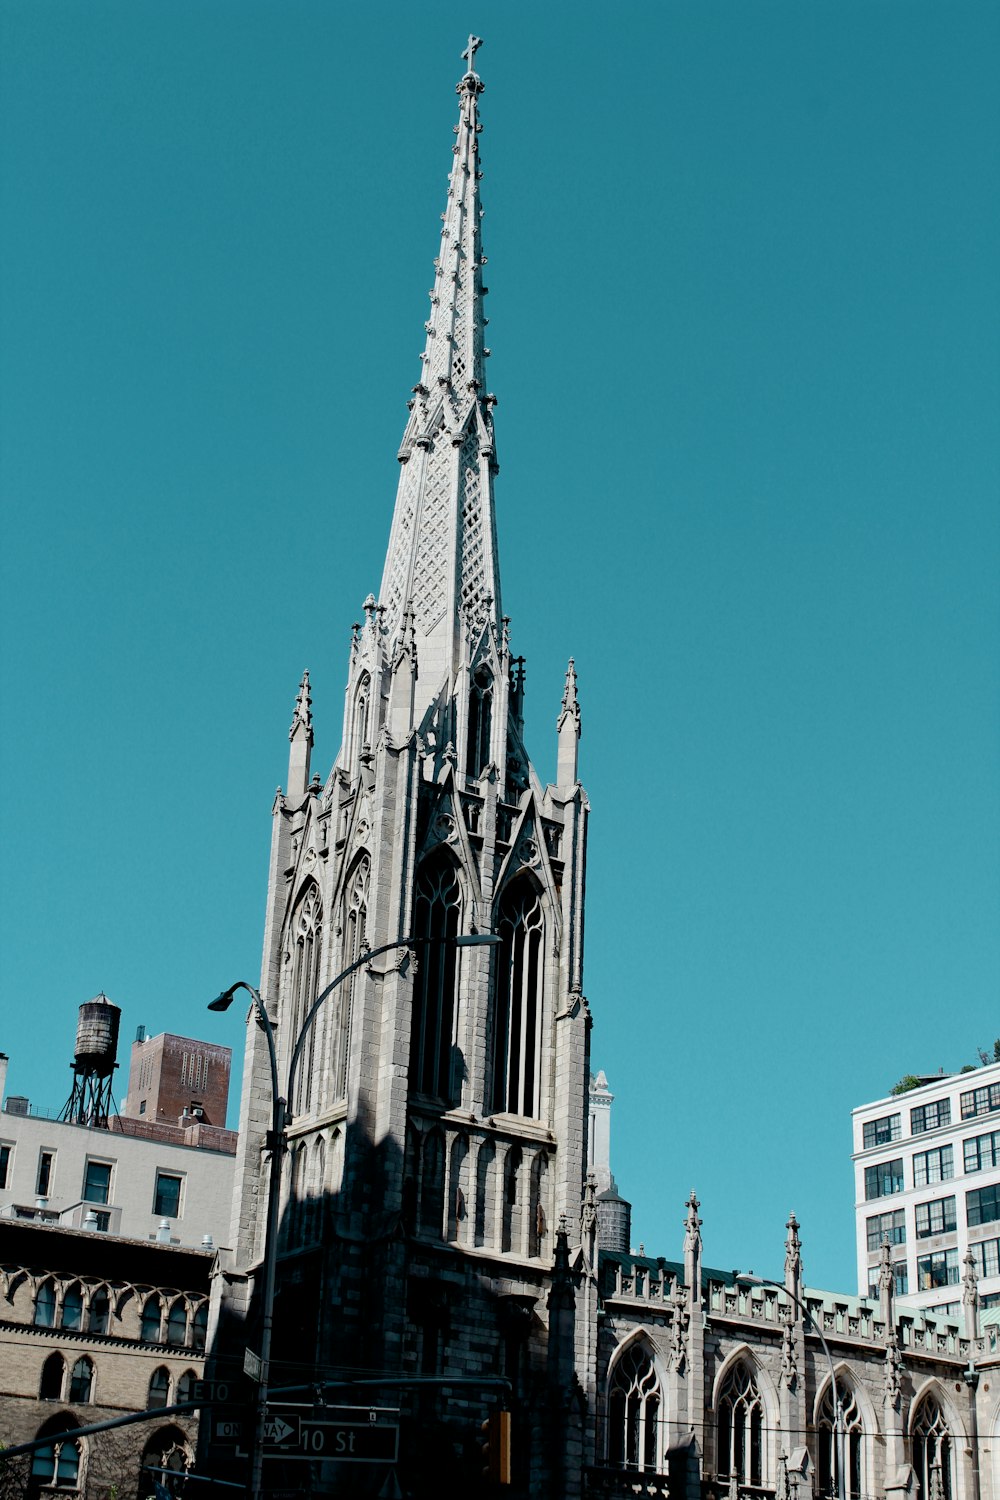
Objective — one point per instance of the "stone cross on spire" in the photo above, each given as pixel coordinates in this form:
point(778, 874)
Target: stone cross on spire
point(475, 42)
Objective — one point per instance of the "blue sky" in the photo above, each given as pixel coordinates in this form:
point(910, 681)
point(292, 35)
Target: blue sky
point(744, 314)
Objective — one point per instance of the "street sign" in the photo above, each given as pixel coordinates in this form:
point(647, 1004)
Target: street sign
point(253, 1365)
point(228, 1429)
point(214, 1392)
point(280, 1432)
point(352, 1442)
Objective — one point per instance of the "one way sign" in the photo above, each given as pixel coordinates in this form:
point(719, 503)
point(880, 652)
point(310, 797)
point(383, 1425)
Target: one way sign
point(281, 1432)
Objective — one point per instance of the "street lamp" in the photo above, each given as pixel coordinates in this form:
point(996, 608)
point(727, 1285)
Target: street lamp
point(838, 1415)
point(277, 1143)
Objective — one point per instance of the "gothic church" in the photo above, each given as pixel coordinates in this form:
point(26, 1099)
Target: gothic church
point(438, 1218)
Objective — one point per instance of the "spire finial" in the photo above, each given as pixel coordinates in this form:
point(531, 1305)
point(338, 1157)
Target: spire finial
point(475, 42)
point(302, 713)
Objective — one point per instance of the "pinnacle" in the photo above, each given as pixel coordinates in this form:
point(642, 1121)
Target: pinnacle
point(302, 713)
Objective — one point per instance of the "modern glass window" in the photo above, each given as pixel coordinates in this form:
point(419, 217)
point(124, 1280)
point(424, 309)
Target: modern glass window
point(46, 1172)
point(740, 1426)
point(634, 1412)
point(167, 1198)
point(937, 1217)
point(933, 1166)
point(881, 1131)
point(883, 1180)
point(97, 1182)
point(930, 1116)
point(891, 1227)
point(931, 1449)
point(982, 1205)
point(939, 1269)
point(987, 1258)
point(159, 1387)
point(900, 1279)
point(981, 1152)
point(6, 1152)
point(984, 1101)
point(81, 1381)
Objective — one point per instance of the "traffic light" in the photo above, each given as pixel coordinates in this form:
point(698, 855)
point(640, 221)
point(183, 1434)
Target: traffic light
point(496, 1447)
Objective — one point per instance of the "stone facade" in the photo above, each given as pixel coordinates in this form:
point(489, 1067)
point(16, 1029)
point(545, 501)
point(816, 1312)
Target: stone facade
point(92, 1327)
point(440, 1226)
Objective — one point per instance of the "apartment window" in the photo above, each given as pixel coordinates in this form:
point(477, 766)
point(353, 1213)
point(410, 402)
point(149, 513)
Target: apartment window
point(987, 1258)
point(939, 1269)
point(167, 1198)
point(46, 1171)
point(982, 1101)
point(937, 1217)
point(97, 1182)
point(885, 1179)
point(982, 1205)
point(933, 1166)
point(982, 1151)
point(5, 1155)
point(142, 1106)
point(880, 1132)
point(900, 1280)
point(891, 1227)
point(930, 1116)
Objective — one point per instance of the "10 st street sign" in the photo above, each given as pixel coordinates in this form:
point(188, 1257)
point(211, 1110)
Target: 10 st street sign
point(291, 1434)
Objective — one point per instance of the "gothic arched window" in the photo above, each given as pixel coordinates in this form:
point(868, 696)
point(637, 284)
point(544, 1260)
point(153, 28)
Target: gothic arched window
point(634, 1412)
point(72, 1308)
point(480, 722)
point(360, 735)
point(355, 942)
point(305, 936)
point(199, 1326)
point(177, 1323)
point(436, 914)
point(740, 1426)
point(81, 1381)
point(518, 1009)
point(827, 1464)
point(45, 1305)
point(149, 1327)
point(99, 1312)
point(55, 1467)
point(159, 1387)
point(53, 1370)
point(185, 1386)
point(932, 1451)
point(166, 1459)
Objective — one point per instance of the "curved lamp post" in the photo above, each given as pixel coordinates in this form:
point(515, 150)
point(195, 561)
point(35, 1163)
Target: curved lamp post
point(838, 1415)
point(277, 1144)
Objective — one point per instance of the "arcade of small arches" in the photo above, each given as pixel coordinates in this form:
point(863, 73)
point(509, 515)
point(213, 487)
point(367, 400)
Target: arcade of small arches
point(741, 1450)
point(146, 1314)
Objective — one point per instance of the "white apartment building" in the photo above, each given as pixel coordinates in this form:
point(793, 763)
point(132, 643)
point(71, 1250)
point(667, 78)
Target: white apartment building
point(927, 1178)
point(128, 1180)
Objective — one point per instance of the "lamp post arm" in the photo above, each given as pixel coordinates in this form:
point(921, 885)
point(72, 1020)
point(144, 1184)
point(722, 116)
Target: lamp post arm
point(838, 1424)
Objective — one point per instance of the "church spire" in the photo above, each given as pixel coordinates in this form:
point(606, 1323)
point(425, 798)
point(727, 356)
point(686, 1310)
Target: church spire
point(301, 736)
point(442, 550)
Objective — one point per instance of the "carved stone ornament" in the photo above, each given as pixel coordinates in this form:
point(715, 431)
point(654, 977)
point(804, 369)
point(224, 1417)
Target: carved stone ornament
point(893, 1361)
point(362, 831)
point(445, 828)
point(789, 1369)
point(527, 852)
